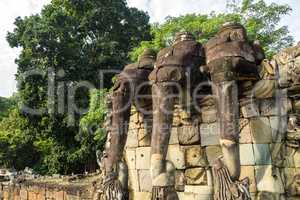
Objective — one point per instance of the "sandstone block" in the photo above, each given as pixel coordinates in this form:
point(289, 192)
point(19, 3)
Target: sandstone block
point(189, 134)
point(174, 136)
point(130, 158)
point(249, 171)
point(247, 154)
point(209, 115)
point(250, 109)
point(209, 134)
point(195, 156)
point(132, 139)
point(143, 157)
point(297, 159)
point(176, 155)
point(279, 128)
point(141, 196)
point(133, 181)
point(204, 190)
point(278, 157)
point(180, 180)
point(288, 175)
point(144, 138)
point(268, 179)
point(289, 157)
point(196, 176)
point(245, 132)
point(145, 180)
point(261, 130)
point(262, 154)
point(212, 153)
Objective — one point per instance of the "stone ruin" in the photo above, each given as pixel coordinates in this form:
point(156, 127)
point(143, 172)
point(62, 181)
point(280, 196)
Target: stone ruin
point(243, 141)
point(242, 145)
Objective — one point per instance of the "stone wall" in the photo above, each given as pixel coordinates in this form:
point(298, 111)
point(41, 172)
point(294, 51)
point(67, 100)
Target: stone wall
point(40, 190)
point(266, 158)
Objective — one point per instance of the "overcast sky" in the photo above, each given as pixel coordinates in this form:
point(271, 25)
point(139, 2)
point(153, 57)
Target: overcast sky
point(157, 9)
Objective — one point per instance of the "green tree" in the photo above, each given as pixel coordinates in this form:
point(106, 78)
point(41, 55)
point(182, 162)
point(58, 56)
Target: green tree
point(6, 104)
point(260, 19)
point(67, 43)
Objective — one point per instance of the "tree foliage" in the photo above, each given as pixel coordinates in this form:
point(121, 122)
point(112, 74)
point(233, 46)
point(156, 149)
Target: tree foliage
point(67, 44)
point(260, 19)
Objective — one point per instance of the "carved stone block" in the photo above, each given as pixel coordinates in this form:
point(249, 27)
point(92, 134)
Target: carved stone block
point(209, 134)
point(132, 139)
point(134, 180)
point(144, 138)
point(196, 176)
point(130, 158)
point(268, 179)
point(245, 132)
point(141, 195)
point(212, 153)
point(199, 189)
point(177, 156)
point(143, 155)
point(145, 180)
point(209, 115)
point(279, 128)
point(174, 136)
point(288, 174)
point(261, 130)
point(297, 159)
point(180, 180)
point(247, 154)
point(195, 156)
point(289, 157)
point(278, 156)
point(262, 154)
point(249, 171)
point(188, 135)
point(250, 109)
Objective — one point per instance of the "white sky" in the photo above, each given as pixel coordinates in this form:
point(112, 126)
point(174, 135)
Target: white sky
point(157, 9)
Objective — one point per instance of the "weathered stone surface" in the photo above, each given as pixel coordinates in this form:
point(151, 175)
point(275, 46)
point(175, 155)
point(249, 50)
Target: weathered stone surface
point(204, 190)
point(196, 176)
point(212, 153)
point(277, 151)
point(245, 132)
point(288, 174)
point(133, 180)
point(209, 115)
point(180, 180)
point(261, 130)
point(174, 136)
point(250, 109)
point(130, 158)
point(188, 135)
point(132, 139)
point(141, 196)
point(297, 159)
point(279, 128)
point(249, 171)
point(144, 138)
point(209, 134)
point(195, 156)
point(268, 179)
point(269, 196)
point(272, 107)
point(247, 154)
point(176, 155)
point(289, 157)
point(145, 180)
point(143, 155)
point(262, 154)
